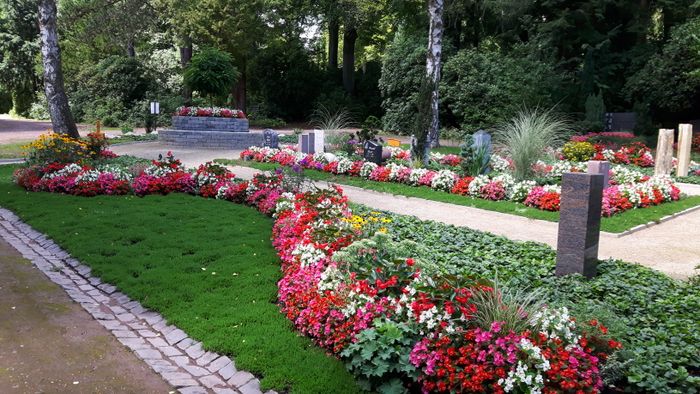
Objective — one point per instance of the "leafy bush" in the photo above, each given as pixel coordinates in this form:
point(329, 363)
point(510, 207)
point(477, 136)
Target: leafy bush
point(379, 357)
point(211, 72)
point(578, 151)
point(475, 161)
point(478, 88)
point(525, 137)
point(405, 57)
point(40, 108)
point(595, 111)
point(5, 101)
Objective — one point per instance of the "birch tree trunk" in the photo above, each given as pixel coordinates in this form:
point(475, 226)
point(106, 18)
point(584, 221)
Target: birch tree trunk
point(61, 117)
point(435, 11)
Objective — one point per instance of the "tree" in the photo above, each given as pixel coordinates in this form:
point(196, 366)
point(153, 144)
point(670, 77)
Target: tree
point(435, 10)
point(19, 49)
point(211, 73)
point(61, 117)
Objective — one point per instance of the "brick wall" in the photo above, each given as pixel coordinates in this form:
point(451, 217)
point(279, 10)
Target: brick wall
point(206, 123)
point(210, 139)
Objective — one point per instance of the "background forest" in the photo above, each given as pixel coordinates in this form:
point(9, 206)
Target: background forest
point(292, 56)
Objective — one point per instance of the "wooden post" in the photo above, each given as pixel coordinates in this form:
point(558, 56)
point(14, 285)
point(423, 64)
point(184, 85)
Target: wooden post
point(664, 153)
point(98, 125)
point(685, 139)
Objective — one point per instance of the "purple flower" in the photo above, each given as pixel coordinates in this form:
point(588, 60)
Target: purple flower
point(296, 168)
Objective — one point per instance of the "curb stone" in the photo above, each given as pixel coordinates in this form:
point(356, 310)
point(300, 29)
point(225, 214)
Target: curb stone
point(143, 331)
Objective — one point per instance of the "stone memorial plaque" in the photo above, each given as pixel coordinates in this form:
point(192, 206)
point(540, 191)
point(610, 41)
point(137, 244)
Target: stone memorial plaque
point(685, 140)
point(579, 224)
point(373, 152)
point(304, 143)
point(319, 140)
point(481, 140)
point(664, 153)
point(271, 139)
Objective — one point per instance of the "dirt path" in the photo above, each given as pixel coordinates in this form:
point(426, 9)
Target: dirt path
point(22, 130)
point(672, 247)
point(49, 344)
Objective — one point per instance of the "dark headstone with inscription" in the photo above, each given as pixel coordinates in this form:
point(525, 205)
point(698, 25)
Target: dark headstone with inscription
point(373, 152)
point(271, 139)
point(579, 224)
point(620, 121)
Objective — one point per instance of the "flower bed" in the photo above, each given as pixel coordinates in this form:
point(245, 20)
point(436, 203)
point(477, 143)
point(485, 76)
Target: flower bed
point(629, 189)
point(364, 299)
point(214, 112)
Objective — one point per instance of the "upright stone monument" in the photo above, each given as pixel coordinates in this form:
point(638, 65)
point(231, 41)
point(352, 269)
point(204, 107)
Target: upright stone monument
point(664, 153)
point(602, 168)
point(685, 139)
point(579, 224)
point(319, 141)
point(271, 139)
point(373, 152)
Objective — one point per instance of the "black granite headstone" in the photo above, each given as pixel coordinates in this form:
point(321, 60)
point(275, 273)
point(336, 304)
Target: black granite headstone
point(373, 152)
point(271, 139)
point(579, 224)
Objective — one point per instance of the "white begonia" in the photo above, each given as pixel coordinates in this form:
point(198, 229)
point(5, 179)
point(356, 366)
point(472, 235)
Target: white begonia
point(499, 164)
point(367, 169)
point(443, 180)
point(308, 254)
point(520, 190)
point(477, 183)
point(344, 165)
point(416, 175)
point(67, 170)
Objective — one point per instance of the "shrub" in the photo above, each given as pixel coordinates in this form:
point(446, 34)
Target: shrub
point(475, 161)
point(211, 73)
point(525, 137)
point(578, 151)
point(39, 108)
point(479, 87)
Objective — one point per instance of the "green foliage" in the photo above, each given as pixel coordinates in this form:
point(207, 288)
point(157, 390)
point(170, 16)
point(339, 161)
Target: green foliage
point(380, 356)
point(578, 151)
point(475, 160)
point(405, 57)
point(22, 102)
point(525, 137)
point(670, 81)
point(39, 108)
point(211, 72)
point(5, 101)
point(507, 305)
point(370, 128)
point(480, 88)
point(595, 111)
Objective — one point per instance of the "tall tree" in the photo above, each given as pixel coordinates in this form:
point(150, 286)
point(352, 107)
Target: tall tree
point(435, 11)
point(61, 117)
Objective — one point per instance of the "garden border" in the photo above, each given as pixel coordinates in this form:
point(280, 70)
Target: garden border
point(654, 222)
point(169, 351)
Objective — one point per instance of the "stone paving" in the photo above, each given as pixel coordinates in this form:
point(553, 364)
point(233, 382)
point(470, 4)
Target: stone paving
point(180, 360)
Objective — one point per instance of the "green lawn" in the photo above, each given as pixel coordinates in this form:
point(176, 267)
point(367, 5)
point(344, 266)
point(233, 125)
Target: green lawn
point(614, 224)
point(207, 266)
point(12, 150)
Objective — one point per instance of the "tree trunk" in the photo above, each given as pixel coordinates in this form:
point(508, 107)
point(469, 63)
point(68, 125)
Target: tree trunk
point(435, 10)
point(333, 36)
point(349, 39)
point(239, 90)
point(185, 57)
point(61, 117)
point(130, 50)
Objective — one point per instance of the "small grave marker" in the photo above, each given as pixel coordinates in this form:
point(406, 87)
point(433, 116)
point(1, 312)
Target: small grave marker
point(664, 153)
point(579, 224)
point(481, 142)
point(685, 137)
point(319, 140)
point(271, 139)
point(373, 152)
point(602, 168)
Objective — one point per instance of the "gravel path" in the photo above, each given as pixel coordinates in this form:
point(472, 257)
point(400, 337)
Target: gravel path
point(672, 247)
point(49, 344)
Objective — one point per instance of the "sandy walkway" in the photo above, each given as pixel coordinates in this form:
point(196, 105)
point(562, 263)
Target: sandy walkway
point(672, 247)
point(49, 344)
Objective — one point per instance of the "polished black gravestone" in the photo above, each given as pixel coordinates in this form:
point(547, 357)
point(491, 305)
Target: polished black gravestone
point(373, 152)
point(579, 224)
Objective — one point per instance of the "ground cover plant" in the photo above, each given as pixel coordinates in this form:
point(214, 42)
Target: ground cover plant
point(207, 266)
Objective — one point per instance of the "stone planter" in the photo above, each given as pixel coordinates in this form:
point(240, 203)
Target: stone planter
point(207, 123)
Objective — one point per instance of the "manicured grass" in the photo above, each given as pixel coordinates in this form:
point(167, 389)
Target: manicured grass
point(12, 150)
point(207, 265)
point(615, 224)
